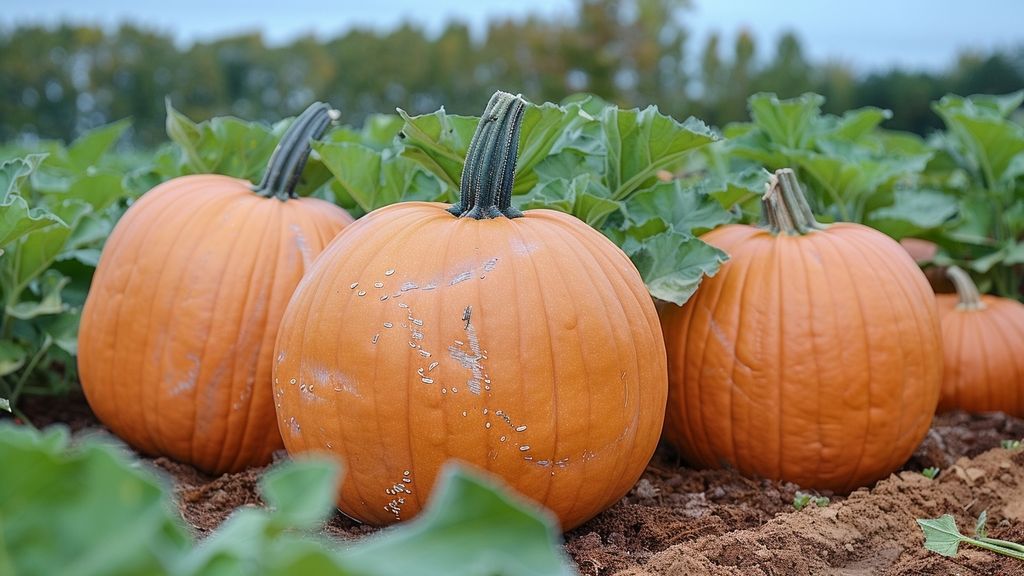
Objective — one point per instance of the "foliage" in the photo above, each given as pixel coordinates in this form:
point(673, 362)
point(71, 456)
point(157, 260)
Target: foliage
point(804, 499)
point(600, 163)
point(980, 159)
point(58, 206)
point(854, 171)
point(941, 535)
point(89, 506)
point(930, 472)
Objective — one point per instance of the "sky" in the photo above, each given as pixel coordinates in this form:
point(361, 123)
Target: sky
point(867, 35)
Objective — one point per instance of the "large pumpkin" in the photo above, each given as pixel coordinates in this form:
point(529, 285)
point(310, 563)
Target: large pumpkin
point(813, 356)
point(177, 333)
point(983, 338)
point(522, 343)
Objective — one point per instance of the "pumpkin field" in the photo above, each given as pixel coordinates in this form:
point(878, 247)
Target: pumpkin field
point(553, 338)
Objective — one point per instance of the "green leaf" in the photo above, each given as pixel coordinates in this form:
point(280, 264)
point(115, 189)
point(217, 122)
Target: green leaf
point(37, 250)
point(85, 508)
point(302, 493)
point(468, 528)
point(377, 178)
point(855, 124)
point(88, 148)
point(17, 219)
point(15, 171)
point(99, 190)
point(941, 535)
point(673, 264)
point(786, 123)
point(50, 286)
point(638, 143)
point(12, 357)
point(914, 212)
point(992, 143)
point(439, 142)
point(682, 209)
point(581, 196)
point(981, 528)
point(186, 134)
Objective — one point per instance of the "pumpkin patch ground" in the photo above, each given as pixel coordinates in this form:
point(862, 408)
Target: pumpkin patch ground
point(677, 520)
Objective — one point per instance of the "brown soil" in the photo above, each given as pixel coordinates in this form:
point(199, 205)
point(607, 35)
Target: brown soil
point(682, 521)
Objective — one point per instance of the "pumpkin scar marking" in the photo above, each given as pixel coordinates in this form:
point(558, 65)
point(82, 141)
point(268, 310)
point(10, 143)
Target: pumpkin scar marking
point(300, 241)
point(397, 490)
point(189, 381)
point(470, 360)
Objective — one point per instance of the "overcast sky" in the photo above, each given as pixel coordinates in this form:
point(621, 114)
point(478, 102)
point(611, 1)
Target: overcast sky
point(868, 34)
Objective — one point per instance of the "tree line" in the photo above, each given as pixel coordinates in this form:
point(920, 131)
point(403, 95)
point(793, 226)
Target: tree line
point(56, 82)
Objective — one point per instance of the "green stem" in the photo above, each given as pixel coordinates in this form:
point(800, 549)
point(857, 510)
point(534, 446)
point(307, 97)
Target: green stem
point(13, 398)
point(1003, 544)
point(967, 292)
point(490, 168)
point(290, 155)
point(784, 207)
point(998, 549)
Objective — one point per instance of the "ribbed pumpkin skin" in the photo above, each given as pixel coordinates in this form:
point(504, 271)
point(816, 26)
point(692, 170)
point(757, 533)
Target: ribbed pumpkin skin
point(527, 347)
point(814, 359)
point(984, 352)
point(177, 333)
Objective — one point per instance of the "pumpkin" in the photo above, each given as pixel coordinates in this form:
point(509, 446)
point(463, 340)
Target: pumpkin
point(524, 344)
point(983, 339)
point(177, 333)
point(813, 356)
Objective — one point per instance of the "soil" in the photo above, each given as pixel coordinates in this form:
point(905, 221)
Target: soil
point(677, 520)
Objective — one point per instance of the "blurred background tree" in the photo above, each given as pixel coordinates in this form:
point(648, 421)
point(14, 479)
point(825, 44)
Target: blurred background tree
point(57, 82)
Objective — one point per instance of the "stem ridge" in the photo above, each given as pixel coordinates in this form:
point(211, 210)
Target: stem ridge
point(784, 207)
point(490, 169)
point(289, 157)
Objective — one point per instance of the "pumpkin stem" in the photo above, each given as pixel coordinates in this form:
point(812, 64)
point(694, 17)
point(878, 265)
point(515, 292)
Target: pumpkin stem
point(784, 207)
point(970, 298)
point(490, 168)
point(290, 155)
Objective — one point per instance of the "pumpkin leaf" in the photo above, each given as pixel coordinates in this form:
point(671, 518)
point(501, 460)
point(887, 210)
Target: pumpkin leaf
point(786, 123)
point(991, 144)
point(375, 178)
point(439, 142)
point(673, 264)
point(638, 143)
point(98, 513)
point(50, 285)
point(683, 209)
point(496, 534)
point(914, 212)
point(302, 493)
point(88, 148)
point(12, 357)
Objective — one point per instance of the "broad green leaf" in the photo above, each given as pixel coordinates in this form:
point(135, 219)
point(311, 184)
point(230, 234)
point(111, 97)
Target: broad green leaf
point(787, 123)
point(468, 528)
point(99, 189)
point(856, 124)
point(741, 190)
point(50, 285)
point(681, 208)
point(223, 145)
point(638, 143)
point(941, 535)
point(992, 143)
point(374, 178)
point(378, 132)
point(37, 250)
point(302, 493)
point(12, 357)
point(13, 173)
point(88, 148)
point(914, 212)
point(673, 264)
point(85, 508)
point(17, 219)
point(186, 134)
point(62, 329)
point(439, 142)
point(544, 129)
point(582, 196)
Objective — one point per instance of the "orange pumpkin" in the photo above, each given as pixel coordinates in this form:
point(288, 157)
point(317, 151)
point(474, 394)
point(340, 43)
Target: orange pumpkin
point(983, 337)
point(813, 356)
point(177, 333)
point(522, 343)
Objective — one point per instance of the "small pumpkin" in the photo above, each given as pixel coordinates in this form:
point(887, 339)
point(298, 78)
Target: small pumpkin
point(524, 344)
point(983, 339)
point(177, 332)
point(813, 356)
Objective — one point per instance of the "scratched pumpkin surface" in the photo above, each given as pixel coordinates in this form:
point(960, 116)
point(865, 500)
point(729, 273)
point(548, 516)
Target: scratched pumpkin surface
point(528, 347)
